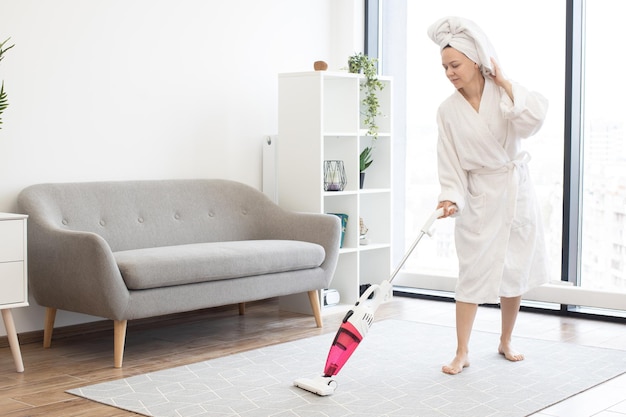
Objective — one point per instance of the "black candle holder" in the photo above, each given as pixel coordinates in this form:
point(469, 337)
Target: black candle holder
point(334, 176)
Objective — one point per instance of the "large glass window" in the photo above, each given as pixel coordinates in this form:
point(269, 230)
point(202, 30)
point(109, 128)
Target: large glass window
point(568, 53)
point(531, 50)
point(603, 254)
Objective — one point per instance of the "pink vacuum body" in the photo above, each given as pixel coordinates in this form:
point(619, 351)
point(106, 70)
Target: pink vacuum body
point(346, 341)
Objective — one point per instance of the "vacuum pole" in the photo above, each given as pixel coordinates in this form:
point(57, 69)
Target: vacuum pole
point(424, 230)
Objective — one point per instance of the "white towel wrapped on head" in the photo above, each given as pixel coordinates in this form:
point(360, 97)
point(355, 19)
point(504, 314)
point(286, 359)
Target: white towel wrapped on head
point(465, 36)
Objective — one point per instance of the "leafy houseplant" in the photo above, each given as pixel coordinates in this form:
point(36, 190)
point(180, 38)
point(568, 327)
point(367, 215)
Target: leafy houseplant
point(3, 95)
point(365, 159)
point(357, 64)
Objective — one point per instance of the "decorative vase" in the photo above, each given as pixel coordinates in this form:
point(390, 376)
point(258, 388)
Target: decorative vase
point(361, 179)
point(334, 176)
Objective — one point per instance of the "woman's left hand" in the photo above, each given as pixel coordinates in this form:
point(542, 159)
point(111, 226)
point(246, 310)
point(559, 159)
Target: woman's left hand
point(498, 78)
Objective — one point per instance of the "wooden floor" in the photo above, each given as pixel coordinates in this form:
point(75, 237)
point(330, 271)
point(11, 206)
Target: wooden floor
point(154, 345)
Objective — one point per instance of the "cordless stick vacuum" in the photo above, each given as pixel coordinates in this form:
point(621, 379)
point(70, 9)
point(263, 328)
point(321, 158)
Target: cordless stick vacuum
point(357, 323)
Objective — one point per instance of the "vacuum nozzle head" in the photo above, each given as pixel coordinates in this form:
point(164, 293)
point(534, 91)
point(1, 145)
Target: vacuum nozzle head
point(322, 386)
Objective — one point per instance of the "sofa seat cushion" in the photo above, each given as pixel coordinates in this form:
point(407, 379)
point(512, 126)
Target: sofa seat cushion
point(202, 262)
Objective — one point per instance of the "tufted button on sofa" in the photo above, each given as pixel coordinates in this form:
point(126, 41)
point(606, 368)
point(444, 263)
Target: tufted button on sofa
point(127, 250)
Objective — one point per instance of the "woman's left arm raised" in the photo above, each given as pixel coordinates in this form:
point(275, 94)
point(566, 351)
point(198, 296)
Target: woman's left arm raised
point(526, 110)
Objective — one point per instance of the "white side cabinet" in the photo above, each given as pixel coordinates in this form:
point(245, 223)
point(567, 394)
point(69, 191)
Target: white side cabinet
point(13, 276)
point(319, 119)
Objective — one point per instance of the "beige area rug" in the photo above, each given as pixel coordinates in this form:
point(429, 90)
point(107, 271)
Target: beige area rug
point(394, 372)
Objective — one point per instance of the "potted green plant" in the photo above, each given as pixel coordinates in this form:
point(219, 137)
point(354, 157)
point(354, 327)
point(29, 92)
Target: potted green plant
point(362, 64)
point(365, 160)
point(3, 95)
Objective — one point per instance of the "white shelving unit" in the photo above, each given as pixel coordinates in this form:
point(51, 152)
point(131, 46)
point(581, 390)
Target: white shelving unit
point(320, 118)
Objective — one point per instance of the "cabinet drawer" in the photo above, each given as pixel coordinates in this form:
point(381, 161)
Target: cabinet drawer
point(11, 240)
point(12, 283)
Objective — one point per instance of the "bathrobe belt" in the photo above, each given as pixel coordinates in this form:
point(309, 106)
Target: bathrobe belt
point(517, 171)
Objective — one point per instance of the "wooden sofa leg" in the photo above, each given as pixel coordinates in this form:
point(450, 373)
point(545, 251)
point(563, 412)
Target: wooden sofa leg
point(242, 309)
point(119, 339)
point(315, 305)
point(48, 326)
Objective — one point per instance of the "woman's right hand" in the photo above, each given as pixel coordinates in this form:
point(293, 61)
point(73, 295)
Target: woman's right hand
point(449, 208)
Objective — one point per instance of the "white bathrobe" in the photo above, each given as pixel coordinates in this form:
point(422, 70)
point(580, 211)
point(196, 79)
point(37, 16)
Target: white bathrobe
point(482, 168)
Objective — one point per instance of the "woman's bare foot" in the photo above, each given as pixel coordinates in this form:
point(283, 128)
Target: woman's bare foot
point(510, 353)
point(459, 362)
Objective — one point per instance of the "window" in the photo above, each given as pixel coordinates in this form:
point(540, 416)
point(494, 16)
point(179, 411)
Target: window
point(426, 86)
point(603, 249)
point(567, 53)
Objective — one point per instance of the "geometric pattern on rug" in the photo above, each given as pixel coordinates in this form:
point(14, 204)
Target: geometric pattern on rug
point(395, 372)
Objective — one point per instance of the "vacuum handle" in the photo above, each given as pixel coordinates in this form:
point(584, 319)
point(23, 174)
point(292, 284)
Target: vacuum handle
point(429, 223)
point(424, 230)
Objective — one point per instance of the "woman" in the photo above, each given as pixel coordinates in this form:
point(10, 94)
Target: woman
point(485, 183)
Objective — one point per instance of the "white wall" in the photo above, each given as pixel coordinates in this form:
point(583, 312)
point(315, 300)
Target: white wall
point(143, 89)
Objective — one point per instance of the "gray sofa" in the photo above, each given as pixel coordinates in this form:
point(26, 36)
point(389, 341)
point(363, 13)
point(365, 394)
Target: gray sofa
point(127, 250)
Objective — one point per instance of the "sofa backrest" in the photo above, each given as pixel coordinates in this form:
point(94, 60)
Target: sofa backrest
point(141, 214)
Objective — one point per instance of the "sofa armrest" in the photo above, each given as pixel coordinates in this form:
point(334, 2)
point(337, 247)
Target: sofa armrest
point(75, 271)
point(323, 229)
